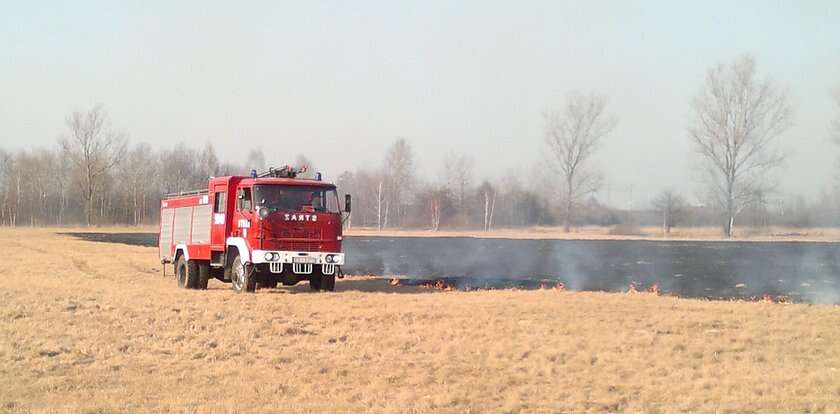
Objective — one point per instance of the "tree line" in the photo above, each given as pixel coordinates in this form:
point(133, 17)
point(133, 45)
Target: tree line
point(95, 175)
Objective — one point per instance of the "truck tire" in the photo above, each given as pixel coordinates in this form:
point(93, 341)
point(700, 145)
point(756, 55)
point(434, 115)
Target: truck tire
point(203, 276)
point(192, 274)
point(328, 283)
point(186, 273)
point(315, 281)
point(181, 272)
point(242, 276)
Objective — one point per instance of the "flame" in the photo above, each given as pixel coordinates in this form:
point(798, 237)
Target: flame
point(442, 285)
point(766, 298)
point(654, 288)
point(438, 284)
point(633, 288)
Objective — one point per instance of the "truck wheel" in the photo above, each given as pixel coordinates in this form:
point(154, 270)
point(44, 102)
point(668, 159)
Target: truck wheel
point(192, 274)
point(242, 276)
point(181, 272)
point(203, 276)
point(186, 273)
point(328, 283)
point(315, 281)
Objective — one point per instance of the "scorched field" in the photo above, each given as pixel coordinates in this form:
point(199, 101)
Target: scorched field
point(95, 327)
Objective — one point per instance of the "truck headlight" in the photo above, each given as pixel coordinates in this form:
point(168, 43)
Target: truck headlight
point(329, 258)
point(269, 256)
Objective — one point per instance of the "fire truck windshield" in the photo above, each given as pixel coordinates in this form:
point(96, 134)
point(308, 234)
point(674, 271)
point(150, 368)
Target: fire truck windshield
point(296, 198)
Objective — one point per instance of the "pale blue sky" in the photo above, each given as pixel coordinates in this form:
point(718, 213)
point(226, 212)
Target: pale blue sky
point(339, 81)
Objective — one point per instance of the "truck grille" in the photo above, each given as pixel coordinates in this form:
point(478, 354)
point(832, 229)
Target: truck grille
point(302, 268)
point(297, 233)
point(299, 246)
point(297, 239)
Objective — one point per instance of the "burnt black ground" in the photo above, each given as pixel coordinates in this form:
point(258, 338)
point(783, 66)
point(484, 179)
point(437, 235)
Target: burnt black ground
point(134, 239)
point(802, 271)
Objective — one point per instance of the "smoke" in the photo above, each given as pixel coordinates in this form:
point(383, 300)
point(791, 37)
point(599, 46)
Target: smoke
point(803, 272)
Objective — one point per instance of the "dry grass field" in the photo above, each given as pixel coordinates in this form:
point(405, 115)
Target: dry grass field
point(93, 327)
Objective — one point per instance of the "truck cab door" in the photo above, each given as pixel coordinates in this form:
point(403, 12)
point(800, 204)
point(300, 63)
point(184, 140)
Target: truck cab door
point(244, 215)
point(220, 226)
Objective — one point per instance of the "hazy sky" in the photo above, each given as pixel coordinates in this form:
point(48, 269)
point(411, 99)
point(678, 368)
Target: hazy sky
point(340, 81)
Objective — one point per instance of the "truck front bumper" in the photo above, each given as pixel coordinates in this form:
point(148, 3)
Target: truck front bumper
point(301, 263)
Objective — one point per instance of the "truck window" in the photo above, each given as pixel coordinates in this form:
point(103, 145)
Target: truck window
point(244, 203)
point(219, 206)
point(295, 198)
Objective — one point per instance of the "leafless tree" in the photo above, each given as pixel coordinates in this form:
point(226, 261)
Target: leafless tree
point(62, 183)
point(180, 169)
point(41, 185)
point(94, 148)
point(671, 206)
point(573, 134)
point(488, 194)
point(6, 187)
point(370, 198)
point(398, 181)
point(139, 166)
point(458, 176)
point(737, 120)
point(381, 215)
point(367, 187)
point(428, 205)
point(434, 211)
point(208, 162)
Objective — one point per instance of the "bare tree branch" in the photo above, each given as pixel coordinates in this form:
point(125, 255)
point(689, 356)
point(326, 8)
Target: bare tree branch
point(458, 177)
point(573, 135)
point(398, 180)
point(671, 206)
point(94, 149)
point(738, 120)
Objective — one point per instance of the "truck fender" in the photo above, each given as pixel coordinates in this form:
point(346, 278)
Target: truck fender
point(239, 243)
point(179, 250)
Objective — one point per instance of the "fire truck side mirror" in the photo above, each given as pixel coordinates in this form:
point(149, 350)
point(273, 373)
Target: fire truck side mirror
point(347, 203)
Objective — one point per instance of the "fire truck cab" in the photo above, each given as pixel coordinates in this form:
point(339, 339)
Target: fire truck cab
point(255, 231)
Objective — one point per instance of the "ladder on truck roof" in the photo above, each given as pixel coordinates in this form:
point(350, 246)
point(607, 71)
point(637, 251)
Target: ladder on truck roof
point(286, 171)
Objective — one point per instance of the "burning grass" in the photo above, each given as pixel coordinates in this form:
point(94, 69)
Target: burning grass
point(452, 284)
point(93, 327)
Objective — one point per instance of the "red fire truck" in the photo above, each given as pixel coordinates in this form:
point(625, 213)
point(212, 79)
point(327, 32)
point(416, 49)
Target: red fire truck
point(255, 231)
